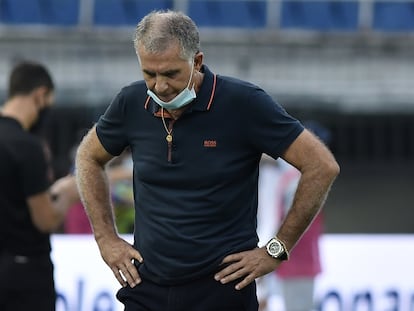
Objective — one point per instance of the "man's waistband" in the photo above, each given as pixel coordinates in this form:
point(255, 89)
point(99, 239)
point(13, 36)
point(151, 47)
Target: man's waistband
point(22, 259)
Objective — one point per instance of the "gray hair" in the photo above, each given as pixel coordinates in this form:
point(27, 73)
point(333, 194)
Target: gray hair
point(159, 29)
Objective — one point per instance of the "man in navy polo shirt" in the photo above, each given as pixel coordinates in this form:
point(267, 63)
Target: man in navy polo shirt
point(196, 140)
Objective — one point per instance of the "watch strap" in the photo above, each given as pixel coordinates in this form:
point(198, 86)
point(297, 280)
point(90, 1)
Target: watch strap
point(285, 254)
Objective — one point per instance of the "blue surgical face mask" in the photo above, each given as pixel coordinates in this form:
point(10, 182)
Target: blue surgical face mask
point(182, 99)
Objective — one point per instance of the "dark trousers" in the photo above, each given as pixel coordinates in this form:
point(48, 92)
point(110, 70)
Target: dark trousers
point(26, 283)
point(201, 295)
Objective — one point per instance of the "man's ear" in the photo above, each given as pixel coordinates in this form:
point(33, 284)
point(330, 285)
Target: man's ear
point(198, 60)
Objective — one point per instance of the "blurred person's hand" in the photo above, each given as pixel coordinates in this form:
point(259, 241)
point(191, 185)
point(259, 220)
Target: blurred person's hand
point(64, 191)
point(48, 209)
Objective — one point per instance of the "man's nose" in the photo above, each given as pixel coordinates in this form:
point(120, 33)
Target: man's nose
point(160, 85)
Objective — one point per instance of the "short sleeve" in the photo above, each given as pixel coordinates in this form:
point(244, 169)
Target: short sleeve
point(33, 168)
point(272, 129)
point(110, 128)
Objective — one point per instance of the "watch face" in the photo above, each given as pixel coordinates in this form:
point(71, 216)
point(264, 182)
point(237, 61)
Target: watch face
point(275, 248)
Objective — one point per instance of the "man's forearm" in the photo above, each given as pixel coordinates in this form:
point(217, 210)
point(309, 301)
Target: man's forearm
point(93, 188)
point(310, 196)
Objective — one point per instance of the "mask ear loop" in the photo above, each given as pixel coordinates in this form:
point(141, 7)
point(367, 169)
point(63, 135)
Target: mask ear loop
point(191, 76)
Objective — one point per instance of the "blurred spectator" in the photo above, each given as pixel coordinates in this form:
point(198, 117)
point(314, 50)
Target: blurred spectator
point(297, 278)
point(30, 208)
point(268, 287)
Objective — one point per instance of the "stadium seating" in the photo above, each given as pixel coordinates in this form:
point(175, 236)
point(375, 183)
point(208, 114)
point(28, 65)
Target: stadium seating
point(320, 15)
point(47, 12)
point(125, 12)
point(228, 13)
point(315, 15)
point(394, 16)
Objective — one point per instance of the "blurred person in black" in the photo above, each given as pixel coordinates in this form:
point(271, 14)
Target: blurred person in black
point(31, 206)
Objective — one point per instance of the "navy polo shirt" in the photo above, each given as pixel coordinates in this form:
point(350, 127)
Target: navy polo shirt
point(196, 201)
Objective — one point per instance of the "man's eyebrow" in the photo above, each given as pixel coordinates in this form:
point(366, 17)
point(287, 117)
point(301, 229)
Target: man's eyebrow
point(164, 73)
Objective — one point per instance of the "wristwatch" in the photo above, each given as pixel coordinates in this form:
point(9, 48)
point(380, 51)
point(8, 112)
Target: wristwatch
point(277, 249)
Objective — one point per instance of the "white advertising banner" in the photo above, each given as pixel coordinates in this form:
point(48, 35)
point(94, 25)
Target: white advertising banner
point(366, 273)
point(360, 273)
point(83, 281)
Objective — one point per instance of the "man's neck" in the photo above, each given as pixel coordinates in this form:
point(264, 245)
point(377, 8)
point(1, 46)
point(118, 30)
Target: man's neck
point(20, 110)
point(198, 80)
point(176, 113)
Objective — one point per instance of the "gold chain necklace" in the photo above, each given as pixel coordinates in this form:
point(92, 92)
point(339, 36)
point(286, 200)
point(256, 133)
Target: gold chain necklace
point(169, 137)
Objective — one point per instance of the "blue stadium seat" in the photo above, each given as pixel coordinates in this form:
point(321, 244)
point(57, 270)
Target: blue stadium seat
point(228, 13)
point(48, 12)
point(320, 15)
point(394, 16)
point(125, 12)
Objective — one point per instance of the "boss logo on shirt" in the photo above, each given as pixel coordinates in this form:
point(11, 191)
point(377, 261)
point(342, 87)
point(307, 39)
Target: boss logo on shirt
point(210, 143)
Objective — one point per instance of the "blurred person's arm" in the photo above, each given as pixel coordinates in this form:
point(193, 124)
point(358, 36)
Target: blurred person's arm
point(93, 185)
point(48, 209)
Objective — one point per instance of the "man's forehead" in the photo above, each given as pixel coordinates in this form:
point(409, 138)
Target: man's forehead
point(162, 63)
point(172, 51)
